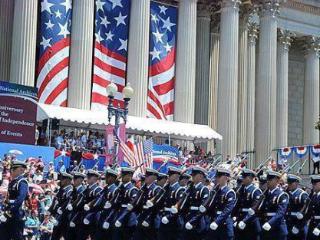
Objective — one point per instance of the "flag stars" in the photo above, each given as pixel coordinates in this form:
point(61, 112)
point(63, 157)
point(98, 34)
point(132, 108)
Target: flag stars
point(167, 24)
point(58, 14)
point(116, 3)
point(155, 54)
point(45, 42)
point(99, 5)
point(45, 6)
point(124, 44)
point(49, 24)
point(104, 21)
point(67, 5)
point(168, 47)
point(109, 35)
point(158, 36)
point(163, 9)
point(98, 37)
point(120, 19)
point(64, 30)
point(154, 18)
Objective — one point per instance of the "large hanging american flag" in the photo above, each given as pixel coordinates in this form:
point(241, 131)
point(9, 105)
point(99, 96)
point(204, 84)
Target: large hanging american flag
point(54, 51)
point(163, 31)
point(110, 52)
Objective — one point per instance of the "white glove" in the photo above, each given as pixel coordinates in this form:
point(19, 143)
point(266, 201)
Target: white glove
point(295, 230)
point(165, 220)
point(299, 215)
point(72, 224)
point(234, 219)
point(129, 207)
point(235, 224)
point(69, 207)
point(202, 209)
point(86, 207)
point(107, 205)
point(145, 224)
point(3, 218)
point(241, 225)
point(174, 210)
point(316, 231)
point(251, 212)
point(149, 204)
point(266, 226)
point(59, 211)
point(55, 222)
point(86, 221)
point(105, 225)
point(118, 224)
point(188, 226)
point(213, 226)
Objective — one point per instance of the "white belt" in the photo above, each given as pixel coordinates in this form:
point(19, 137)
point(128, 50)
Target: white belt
point(194, 208)
point(11, 201)
point(167, 209)
point(124, 205)
point(145, 207)
point(219, 212)
point(245, 209)
point(270, 214)
point(316, 217)
point(294, 213)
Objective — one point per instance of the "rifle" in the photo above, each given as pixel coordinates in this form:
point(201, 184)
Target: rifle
point(302, 165)
point(180, 206)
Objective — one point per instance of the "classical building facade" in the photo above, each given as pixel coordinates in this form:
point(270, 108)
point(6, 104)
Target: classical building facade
point(247, 68)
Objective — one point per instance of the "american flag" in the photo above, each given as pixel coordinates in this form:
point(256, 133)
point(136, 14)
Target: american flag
point(54, 51)
point(110, 52)
point(163, 31)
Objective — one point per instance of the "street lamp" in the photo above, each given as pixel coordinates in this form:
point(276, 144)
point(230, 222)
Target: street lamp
point(117, 111)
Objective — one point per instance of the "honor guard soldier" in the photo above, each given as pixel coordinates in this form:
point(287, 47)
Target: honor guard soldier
point(246, 222)
point(59, 205)
point(125, 219)
point(273, 209)
point(146, 218)
point(12, 219)
point(220, 207)
point(100, 211)
point(78, 185)
point(82, 231)
point(313, 212)
point(196, 196)
point(184, 179)
point(298, 201)
point(170, 225)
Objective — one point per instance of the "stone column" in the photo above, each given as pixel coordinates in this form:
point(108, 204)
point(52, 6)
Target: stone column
point(243, 78)
point(251, 87)
point(311, 92)
point(6, 23)
point(228, 76)
point(202, 67)
point(282, 88)
point(184, 103)
point(24, 39)
point(266, 88)
point(80, 74)
point(138, 56)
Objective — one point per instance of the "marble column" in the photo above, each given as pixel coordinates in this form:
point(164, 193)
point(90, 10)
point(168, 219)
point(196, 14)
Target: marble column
point(284, 43)
point(80, 74)
point(266, 84)
point(202, 67)
point(6, 23)
point(184, 104)
point(251, 87)
point(311, 92)
point(243, 78)
point(24, 39)
point(228, 76)
point(138, 56)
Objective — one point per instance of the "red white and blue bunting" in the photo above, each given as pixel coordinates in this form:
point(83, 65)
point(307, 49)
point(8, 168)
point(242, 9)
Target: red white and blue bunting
point(301, 151)
point(315, 150)
point(285, 152)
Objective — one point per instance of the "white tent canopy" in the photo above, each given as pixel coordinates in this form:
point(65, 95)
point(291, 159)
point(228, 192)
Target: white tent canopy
point(99, 119)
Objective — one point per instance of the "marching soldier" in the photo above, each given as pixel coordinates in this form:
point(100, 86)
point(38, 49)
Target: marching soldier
point(169, 218)
point(79, 207)
point(273, 209)
point(184, 179)
point(125, 219)
point(59, 204)
point(196, 195)
point(247, 223)
point(298, 201)
point(220, 207)
point(146, 218)
point(78, 185)
point(313, 212)
point(12, 219)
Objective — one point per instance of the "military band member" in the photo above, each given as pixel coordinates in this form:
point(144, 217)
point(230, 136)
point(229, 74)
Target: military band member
point(273, 209)
point(247, 223)
point(298, 201)
point(12, 219)
point(170, 224)
point(59, 205)
point(125, 219)
point(195, 225)
point(313, 212)
point(220, 209)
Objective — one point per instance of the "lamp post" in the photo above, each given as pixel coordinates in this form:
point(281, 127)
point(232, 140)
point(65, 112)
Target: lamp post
point(117, 111)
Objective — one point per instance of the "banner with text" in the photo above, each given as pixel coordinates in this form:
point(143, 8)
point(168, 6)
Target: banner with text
point(18, 112)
